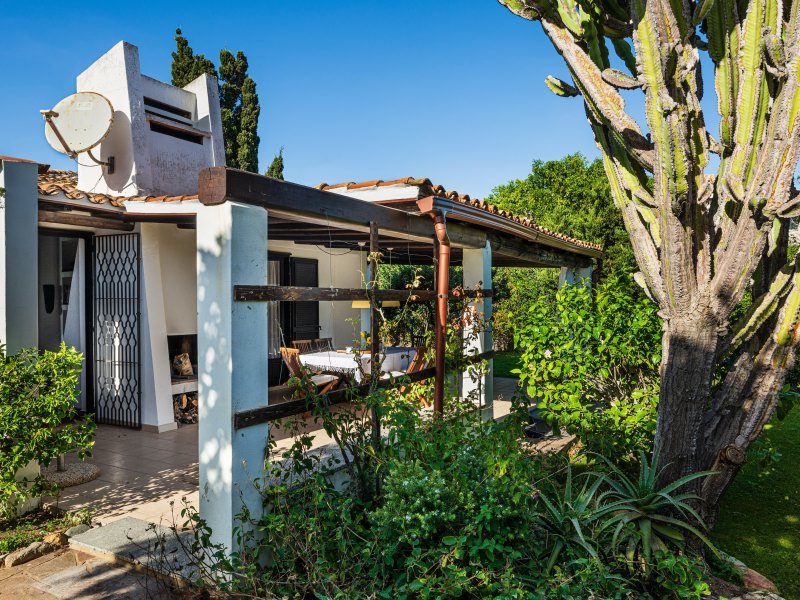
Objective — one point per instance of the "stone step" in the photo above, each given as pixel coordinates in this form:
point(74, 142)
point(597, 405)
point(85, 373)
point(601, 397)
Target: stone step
point(153, 548)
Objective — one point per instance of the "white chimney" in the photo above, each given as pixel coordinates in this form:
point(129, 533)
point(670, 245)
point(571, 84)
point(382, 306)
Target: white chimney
point(162, 135)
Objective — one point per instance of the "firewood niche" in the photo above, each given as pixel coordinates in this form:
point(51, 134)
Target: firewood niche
point(183, 370)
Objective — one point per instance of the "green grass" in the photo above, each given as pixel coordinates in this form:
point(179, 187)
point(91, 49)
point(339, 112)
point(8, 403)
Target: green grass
point(504, 362)
point(759, 520)
point(32, 527)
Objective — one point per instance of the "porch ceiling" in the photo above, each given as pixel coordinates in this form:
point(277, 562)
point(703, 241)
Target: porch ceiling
point(506, 251)
point(312, 216)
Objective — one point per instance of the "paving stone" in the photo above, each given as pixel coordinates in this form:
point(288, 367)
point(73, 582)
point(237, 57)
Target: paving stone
point(140, 543)
point(55, 561)
point(76, 530)
point(98, 579)
point(23, 586)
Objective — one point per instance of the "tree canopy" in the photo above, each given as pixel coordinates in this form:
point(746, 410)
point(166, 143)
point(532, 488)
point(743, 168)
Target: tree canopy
point(275, 169)
point(239, 103)
point(571, 196)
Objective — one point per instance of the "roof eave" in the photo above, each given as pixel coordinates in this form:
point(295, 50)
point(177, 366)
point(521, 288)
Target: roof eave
point(478, 216)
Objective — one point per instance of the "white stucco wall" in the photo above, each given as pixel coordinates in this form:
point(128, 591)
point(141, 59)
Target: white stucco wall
point(337, 268)
point(178, 278)
point(156, 388)
point(115, 75)
point(148, 162)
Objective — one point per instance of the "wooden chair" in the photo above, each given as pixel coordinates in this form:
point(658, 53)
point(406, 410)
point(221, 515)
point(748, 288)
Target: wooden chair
point(304, 346)
point(325, 382)
point(418, 363)
point(323, 344)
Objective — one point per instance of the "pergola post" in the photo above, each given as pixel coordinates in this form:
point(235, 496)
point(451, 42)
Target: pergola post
point(232, 357)
point(477, 267)
point(575, 276)
point(19, 289)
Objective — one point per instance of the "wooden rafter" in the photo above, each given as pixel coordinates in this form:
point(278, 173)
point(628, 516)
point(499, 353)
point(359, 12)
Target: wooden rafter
point(268, 293)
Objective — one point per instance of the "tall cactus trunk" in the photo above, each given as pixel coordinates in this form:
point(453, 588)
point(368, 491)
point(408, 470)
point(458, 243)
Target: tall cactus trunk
point(686, 372)
point(703, 241)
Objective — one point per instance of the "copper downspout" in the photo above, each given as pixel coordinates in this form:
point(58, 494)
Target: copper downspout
point(442, 292)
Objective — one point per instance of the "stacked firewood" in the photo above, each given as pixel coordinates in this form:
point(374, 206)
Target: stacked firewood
point(185, 407)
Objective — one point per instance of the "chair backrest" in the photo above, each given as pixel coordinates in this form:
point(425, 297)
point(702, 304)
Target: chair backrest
point(323, 344)
point(303, 345)
point(291, 356)
point(419, 362)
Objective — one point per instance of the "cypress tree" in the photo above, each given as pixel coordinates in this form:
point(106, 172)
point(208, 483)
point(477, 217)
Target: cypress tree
point(276, 166)
point(239, 106)
point(186, 65)
point(247, 136)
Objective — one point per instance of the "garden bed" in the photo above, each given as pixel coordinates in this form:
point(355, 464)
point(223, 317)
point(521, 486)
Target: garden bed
point(33, 527)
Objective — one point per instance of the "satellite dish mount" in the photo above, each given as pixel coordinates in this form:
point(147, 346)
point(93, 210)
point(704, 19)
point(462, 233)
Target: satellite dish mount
point(79, 123)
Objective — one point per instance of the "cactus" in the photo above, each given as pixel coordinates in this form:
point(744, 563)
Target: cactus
point(702, 240)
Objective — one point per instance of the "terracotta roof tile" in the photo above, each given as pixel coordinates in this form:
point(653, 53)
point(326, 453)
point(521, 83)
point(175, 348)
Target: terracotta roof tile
point(55, 182)
point(426, 188)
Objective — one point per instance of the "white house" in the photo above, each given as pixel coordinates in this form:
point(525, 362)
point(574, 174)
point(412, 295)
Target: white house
point(136, 266)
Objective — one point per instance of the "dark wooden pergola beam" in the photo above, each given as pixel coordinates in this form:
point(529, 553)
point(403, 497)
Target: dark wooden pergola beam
point(269, 293)
point(217, 185)
point(83, 220)
point(530, 253)
point(266, 414)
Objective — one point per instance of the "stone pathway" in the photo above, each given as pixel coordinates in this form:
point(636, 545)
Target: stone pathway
point(67, 574)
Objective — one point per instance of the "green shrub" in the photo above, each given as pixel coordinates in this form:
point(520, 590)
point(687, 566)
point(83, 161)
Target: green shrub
point(459, 523)
point(590, 361)
point(38, 418)
point(680, 576)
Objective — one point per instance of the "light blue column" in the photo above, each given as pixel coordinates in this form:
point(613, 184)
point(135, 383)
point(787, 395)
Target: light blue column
point(232, 357)
point(478, 274)
point(19, 244)
point(575, 276)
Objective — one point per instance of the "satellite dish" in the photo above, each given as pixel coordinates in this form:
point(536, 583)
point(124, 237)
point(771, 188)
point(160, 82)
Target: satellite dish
point(79, 123)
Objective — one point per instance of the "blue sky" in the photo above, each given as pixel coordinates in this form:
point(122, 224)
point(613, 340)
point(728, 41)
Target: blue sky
point(355, 90)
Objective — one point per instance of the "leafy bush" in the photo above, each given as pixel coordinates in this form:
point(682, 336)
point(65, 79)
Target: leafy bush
point(38, 418)
point(590, 361)
point(680, 575)
point(462, 510)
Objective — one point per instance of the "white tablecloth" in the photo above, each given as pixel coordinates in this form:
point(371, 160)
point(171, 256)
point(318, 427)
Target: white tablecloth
point(395, 359)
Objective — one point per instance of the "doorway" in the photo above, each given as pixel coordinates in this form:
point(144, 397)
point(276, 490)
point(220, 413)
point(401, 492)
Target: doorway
point(64, 300)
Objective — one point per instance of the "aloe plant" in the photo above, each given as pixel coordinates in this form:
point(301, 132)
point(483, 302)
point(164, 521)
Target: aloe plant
point(569, 516)
point(646, 517)
point(702, 239)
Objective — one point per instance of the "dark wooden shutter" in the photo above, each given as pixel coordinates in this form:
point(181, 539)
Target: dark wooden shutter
point(304, 315)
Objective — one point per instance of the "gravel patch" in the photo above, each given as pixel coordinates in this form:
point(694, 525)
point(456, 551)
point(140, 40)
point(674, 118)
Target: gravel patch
point(75, 474)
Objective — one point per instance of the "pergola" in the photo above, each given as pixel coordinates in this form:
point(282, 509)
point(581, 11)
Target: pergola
point(243, 209)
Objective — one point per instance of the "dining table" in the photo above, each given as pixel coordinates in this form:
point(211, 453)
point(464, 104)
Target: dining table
point(349, 364)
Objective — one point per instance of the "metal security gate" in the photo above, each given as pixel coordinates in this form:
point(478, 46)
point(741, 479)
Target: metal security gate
point(117, 332)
